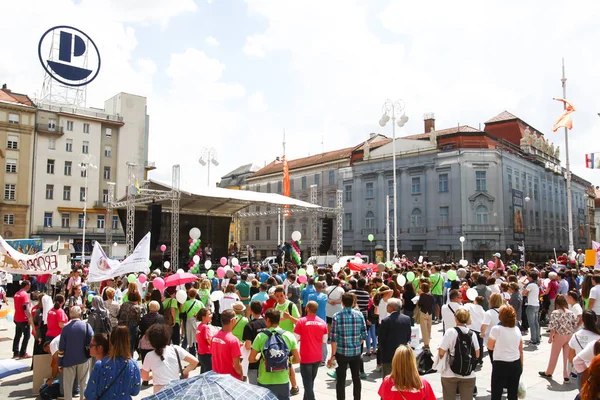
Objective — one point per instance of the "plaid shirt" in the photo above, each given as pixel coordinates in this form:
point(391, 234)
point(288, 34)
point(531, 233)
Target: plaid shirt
point(348, 329)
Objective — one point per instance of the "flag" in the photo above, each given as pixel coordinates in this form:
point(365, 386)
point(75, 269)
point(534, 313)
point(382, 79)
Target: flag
point(565, 120)
point(596, 247)
point(286, 186)
point(592, 161)
point(102, 267)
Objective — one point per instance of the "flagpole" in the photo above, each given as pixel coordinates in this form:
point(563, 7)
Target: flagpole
point(568, 167)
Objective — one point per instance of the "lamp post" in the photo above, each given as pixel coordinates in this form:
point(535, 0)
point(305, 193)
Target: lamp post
point(527, 200)
point(394, 110)
point(462, 247)
point(86, 164)
point(208, 156)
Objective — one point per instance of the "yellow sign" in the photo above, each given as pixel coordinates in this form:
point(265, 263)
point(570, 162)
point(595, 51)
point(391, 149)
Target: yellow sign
point(379, 256)
point(590, 258)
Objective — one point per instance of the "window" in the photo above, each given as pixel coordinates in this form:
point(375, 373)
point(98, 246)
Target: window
point(65, 220)
point(68, 165)
point(391, 188)
point(317, 179)
point(303, 230)
point(279, 184)
point(348, 193)
point(52, 144)
point(348, 222)
point(291, 185)
point(269, 187)
point(415, 218)
point(50, 167)
point(444, 216)
point(481, 181)
point(115, 222)
point(86, 128)
point(108, 133)
point(47, 220)
point(69, 125)
point(85, 147)
point(537, 220)
point(67, 193)
point(80, 221)
point(11, 165)
point(12, 142)
point(268, 236)
point(9, 219)
point(52, 125)
point(443, 182)
point(9, 191)
point(105, 196)
point(108, 151)
point(369, 190)
point(246, 234)
point(331, 178)
point(49, 192)
point(331, 202)
point(416, 185)
point(481, 215)
point(84, 170)
point(100, 222)
point(303, 183)
point(82, 194)
point(510, 183)
point(257, 233)
point(13, 118)
point(69, 145)
point(106, 173)
point(370, 220)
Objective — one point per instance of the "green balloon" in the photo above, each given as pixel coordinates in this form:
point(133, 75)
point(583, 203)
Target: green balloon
point(451, 275)
point(371, 237)
point(388, 264)
point(410, 276)
point(301, 271)
point(131, 278)
point(299, 242)
point(149, 263)
point(90, 297)
point(211, 274)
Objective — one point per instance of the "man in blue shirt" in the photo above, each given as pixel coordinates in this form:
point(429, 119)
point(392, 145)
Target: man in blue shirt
point(320, 298)
point(72, 361)
point(262, 295)
point(307, 291)
point(264, 274)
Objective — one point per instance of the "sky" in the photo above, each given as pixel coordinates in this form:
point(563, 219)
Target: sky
point(234, 75)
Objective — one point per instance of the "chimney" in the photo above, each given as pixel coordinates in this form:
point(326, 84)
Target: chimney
point(372, 135)
point(429, 119)
point(4, 87)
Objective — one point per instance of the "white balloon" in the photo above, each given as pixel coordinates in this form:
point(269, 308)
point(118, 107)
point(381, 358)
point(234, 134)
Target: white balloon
point(157, 272)
point(227, 268)
point(310, 270)
point(336, 268)
point(196, 258)
point(235, 262)
point(167, 264)
point(471, 294)
point(217, 295)
point(207, 263)
point(181, 296)
point(420, 259)
point(296, 236)
point(464, 263)
point(195, 233)
point(401, 280)
point(180, 271)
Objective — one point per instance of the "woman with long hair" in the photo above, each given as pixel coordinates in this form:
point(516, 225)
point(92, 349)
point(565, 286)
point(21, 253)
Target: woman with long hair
point(477, 315)
point(591, 388)
point(132, 287)
point(165, 363)
point(426, 304)
point(586, 286)
point(116, 376)
point(563, 323)
point(230, 296)
point(404, 382)
point(57, 318)
point(490, 319)
point(130, 314)
point(204, 336)
point(587, 334)
point(409, 307)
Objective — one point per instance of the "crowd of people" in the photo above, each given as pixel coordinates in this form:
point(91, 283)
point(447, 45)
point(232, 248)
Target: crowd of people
point(257, 325)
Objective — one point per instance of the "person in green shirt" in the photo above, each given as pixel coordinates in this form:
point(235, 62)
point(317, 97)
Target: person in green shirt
point(287, 308)
point(277, 382)
point(240, 320)
point(171, 304)
point(437, 287)
point(244, 289)
point(190, 308)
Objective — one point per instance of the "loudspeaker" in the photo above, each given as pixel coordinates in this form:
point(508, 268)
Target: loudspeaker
point(155, 214)
point(326, 236)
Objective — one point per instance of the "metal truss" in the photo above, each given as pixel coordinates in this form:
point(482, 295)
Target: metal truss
point(109, 217)
point(313, 223)
point(130, 226)
point(175, 204)
point(339, 224)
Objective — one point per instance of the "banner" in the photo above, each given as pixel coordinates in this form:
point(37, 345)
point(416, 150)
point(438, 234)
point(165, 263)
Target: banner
point(518, 219)
point(40, 263)
point(101, 267)
point(596, 247)
point(592, 160)
point(26, 246)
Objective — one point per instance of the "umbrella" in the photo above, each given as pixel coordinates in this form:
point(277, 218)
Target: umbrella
point(213, 386)
point(180, 279)
point(11, 367)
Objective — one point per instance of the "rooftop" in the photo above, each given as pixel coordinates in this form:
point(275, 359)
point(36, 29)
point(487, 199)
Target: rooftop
point(502, 117)
point(8, 96)
point(448, 131)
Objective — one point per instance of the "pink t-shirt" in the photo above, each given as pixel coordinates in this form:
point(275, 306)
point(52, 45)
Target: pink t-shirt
point(54, 317)
point(311, 330)
point(387, 391)
point(224, 348)
point(202, 335)
point(21, 298)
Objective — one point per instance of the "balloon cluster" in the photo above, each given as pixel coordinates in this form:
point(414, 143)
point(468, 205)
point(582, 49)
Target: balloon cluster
point(194, 249)
point(295, 253)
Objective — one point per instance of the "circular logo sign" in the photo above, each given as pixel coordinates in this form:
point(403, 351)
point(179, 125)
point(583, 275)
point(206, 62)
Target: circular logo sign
point(69, 55)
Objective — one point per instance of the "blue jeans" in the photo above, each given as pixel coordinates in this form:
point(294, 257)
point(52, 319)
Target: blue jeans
point(371, 338)
point(282, 391)
point(205, 362)
point(438, 299)
point(309, 373)
point(534, 323)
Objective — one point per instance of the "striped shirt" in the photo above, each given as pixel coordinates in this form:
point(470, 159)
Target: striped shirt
point(362, 300)
point(348, 329)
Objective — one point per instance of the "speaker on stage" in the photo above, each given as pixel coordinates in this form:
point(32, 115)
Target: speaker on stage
point(326, 236)
point(155, 214)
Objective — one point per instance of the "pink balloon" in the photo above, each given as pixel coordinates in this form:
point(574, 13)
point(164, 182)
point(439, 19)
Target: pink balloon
point(358, 255)
point(237, 268)
point(163, 248)
point(191, 241)
point(302, 279)
point(220, 272)
point(142, 278)
point(159, 284)
point(223, 261)
point(490, 264)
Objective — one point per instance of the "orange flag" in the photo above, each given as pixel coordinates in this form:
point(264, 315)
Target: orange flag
point(286, 186)
point(565, 120)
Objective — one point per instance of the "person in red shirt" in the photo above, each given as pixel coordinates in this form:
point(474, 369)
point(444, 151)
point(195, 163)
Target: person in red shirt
point(404, 383)
point(57, 318)
point(313, 333)
point(271, 302)
point(203, 338)
point(225, 348)
point(22, 320)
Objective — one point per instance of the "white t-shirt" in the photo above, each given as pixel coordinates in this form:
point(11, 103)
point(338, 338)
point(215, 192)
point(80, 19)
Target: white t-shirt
point(477, 313)
point(448, 342)
point(382, 310)
point(586, 355)
point(576, 309)
point(227, 301)
point(595, 294)
point(491, 319)
point(54, 345)
point(507, 343)
point(334, 293)
point(448, 315)
point(581, 339)
point(533, 294)
point(167, 370)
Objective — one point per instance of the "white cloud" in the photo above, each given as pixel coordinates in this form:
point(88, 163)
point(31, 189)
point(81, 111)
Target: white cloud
point(212, 41)
point(256, 103)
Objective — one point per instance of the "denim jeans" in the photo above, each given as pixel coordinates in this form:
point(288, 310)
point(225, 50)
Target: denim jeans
point(205, 362)
point(282, 391)
point(371, 338)
point(309, 373)
point(21, 329)
point(133, 334)
point(534, 323)
point(340, 384)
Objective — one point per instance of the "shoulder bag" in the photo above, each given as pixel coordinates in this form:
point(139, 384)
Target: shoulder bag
point(179, 363)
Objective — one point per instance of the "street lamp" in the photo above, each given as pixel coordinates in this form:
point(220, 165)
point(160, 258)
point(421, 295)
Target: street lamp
point(462, 247)
point(208, 156)
point(527, 200)
point(394, 110)
point(86, 164)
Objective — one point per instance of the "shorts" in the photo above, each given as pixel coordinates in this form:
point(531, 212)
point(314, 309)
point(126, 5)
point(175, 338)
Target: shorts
point(329, 320)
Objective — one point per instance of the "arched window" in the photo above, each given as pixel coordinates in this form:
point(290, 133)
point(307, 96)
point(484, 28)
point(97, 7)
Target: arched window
point(370, 220)
point(481, 213)
point(415, 218)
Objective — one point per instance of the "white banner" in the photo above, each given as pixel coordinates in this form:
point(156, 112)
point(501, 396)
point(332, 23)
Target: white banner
point(102, 267)
point(596, 246)
point(44, 262)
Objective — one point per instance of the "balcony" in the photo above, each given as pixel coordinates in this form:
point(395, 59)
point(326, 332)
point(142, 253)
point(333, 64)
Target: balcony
point(369, 231)
point(73, 230)
point(417, 230)
point(53, 130)
point(80, 111)
point(99, 204)
point(482, 228)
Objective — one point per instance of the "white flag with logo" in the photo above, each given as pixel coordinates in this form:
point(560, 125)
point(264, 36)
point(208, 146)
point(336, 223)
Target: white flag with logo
point(102, 267)
point(596, 247)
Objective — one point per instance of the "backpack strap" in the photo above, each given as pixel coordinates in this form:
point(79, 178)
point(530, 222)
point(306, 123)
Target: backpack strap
point(453, 313)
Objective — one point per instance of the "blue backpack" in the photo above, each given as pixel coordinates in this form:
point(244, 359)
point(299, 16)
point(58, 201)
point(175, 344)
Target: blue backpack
point(275, 352)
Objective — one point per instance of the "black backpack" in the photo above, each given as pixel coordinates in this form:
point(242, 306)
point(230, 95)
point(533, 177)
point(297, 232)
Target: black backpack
point(463, 360)
point(425, 362)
